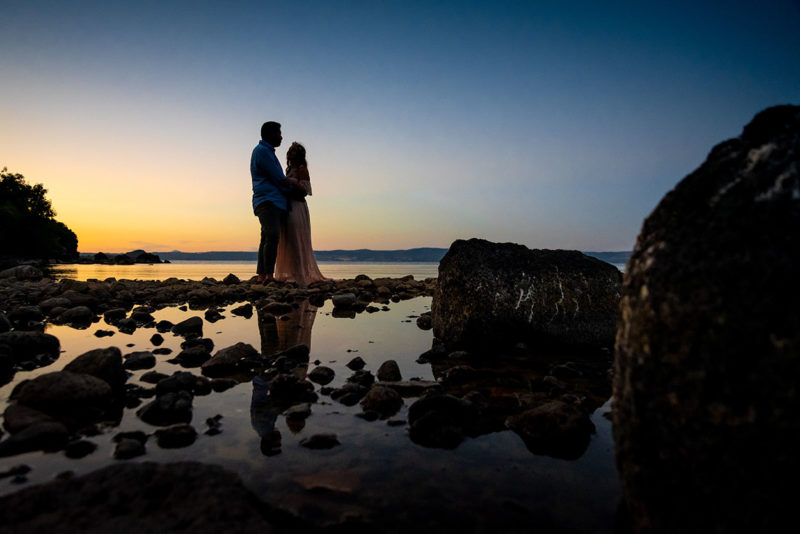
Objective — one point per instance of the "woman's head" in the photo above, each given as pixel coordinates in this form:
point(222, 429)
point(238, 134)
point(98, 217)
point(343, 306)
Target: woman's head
point(296, 155)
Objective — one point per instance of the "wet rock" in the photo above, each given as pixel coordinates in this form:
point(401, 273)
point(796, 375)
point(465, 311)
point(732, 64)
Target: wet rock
point(383, 400)
point(556, 428)
point(321, 375)
point(47, 436)
point(5, 323)
point(320, 441)
point(79, 449)
point(276, 308)
point(164, 326)
point(114, 315)
point(362, 377)
point(178, 381)
point(140, 497)
point(105, 364)
point(77, 298)
point(344, 300)
point(213, 315)
point(204, 342)
point(22, 272)
point(156, 339)
point(356, 363)
point(18, 417)
point(192, 357)
point(26, 346)
point(349, 394)
point(139, 360)
point(501, 293)
point(425, 321)
point(63, 393)
point(227, 360)
point(414, 388)
point(15, 471)
point(153, 377)
point(167, 409)
point(287, 389)
point(298, 411)
point(708, 348)
point(245, 310)
point(103, 333)
point(389, 371)
point(22, 316)
point(441, 421)
point(193, 326)
point(231, 279)
point(128, 448)
point(127, 325)
point(297, 353)
point(176, 436)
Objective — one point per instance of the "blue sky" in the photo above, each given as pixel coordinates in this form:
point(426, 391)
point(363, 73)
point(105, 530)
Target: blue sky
point(552, 124)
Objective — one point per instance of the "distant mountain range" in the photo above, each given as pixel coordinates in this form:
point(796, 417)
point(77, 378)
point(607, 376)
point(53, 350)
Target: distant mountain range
point(359, 256)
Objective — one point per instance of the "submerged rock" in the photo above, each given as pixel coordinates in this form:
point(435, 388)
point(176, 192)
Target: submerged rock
point(708, 348)
point(441, 421)
point(501, 293)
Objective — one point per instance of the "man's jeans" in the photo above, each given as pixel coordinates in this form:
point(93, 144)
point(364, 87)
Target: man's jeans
point(270, 218)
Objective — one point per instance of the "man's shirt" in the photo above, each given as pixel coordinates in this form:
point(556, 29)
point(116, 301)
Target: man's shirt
point(269, 182)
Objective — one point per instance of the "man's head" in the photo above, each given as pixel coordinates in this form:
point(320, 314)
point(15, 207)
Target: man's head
point(271, 133)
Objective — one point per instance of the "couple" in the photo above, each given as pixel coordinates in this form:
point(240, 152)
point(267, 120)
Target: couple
point(285, 252)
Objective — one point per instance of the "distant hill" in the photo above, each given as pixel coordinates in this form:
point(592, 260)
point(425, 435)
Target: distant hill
point(427, 254)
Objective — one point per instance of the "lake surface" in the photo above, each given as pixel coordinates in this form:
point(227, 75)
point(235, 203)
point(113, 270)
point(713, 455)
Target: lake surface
point(489, 483)
point(197, 270)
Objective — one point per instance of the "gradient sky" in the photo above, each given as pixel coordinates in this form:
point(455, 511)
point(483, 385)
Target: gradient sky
point(552, 124)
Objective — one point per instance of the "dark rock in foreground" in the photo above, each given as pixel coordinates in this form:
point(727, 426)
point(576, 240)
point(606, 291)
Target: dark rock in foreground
point(708, 347)
point(138, 498)
point(556, 429)
point(491, 293)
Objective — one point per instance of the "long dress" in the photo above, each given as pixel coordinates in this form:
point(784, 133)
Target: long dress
point(296, 262)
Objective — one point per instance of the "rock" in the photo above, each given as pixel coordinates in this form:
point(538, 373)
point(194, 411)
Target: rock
point(24, 315)
point(103, 333)
point(276, 308)
point(193, 326)
point(320, 441)
point(128, 448)
point(414, 388)
point(25, 346)
point(440, 421)
point(708, 348)
point(321, 375)
point(22, 272)
point(213, 315)
point(153, 377)
point(389, 371)
point(105, 364)
point(176, 436)
point(555, 428)
point(356, 363)
point(297, 353)
point(140, 360)
point(79, 449)
point(298, 411)
point(344, 300)
point(142, 317)
point(231, 279)
point(179, 381)
point(113, 315)
point(127, 325)
point(227, 360)
point(383, 400)
point(349, 394)
point(47, 436)
point(123, 259)
point(287, 389)
point(146, 257)
point(164, 326)
point(489, 294)
point(168, 409)
point(245, 310)
point(156, 339)
point(204, 342)
point(54, 302)
point(77, 298)
point(63, 393)
point(223, 384)
point(138, 497)
point(425, 321)
point(362, 377)
point(192, 357)
point(18, 417)
point(5, 323)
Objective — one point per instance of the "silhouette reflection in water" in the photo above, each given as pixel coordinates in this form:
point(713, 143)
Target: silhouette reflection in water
point(277, 335)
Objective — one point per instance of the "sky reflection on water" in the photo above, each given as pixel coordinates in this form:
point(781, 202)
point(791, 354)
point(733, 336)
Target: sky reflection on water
point(488, 483)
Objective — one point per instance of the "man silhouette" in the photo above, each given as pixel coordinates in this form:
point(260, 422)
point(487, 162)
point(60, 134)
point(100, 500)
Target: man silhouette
point(269, 196)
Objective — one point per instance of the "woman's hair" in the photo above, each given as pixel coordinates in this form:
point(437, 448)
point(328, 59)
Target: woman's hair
point(296, 155)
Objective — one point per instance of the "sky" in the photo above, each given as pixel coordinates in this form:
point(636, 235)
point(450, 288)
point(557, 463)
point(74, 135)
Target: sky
point(551, 124)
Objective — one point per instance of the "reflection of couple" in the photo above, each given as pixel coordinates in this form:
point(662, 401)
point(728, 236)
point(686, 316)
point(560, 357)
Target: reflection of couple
point(285, 252)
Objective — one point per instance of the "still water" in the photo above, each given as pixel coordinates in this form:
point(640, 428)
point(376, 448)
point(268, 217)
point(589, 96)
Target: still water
point(197, 270)
point(489, 483)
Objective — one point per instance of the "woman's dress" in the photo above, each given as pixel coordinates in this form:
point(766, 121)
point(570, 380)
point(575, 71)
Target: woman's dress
point(296, 262)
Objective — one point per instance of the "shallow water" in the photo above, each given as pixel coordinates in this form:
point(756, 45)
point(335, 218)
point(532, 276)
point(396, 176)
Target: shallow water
point(490, 483)
point(197, 270)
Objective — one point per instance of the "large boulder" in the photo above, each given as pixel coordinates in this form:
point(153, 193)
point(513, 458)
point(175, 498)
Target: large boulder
point(138, 498)
point(490, 293)
point(66, 394)
point(22, 346)
point(555, 428)
point(105, 364)
point(708, 348)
